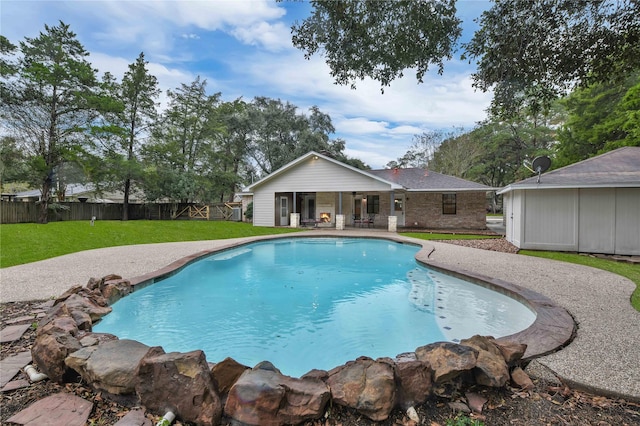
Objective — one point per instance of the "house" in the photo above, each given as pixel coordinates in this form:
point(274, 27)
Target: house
point(78, 192)
point(318, 190)
point(592, 206)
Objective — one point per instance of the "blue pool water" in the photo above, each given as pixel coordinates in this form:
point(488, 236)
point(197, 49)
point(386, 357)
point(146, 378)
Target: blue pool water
point(310, 303)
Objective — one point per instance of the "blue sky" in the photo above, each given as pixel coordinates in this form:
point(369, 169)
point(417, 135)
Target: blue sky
point(243, 49)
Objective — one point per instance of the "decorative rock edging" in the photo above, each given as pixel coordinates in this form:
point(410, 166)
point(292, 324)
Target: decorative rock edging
point(132, 373)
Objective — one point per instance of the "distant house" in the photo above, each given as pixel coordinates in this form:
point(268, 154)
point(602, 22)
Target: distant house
point(79, 192)
point(318, 190)
point(592, 206)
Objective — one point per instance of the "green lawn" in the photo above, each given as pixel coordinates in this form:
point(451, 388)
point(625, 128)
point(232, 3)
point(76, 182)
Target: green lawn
point(29, 242)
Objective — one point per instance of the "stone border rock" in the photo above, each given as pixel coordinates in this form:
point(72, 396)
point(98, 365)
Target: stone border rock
point(133, 373)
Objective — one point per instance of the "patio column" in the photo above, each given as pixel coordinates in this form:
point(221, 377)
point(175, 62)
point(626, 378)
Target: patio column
point(393, 224)
point(294, 221)
point(294, 203)
point(392, 210)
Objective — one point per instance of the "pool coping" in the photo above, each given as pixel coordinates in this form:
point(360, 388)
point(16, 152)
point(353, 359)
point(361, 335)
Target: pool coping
point(553, 328)
point(602, 358)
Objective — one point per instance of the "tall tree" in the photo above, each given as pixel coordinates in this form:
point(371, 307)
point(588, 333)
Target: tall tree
point(531, 52)
point(275, 126)
point(600, 118)
point(229, 159)
point(128, 124)
point(379, 39)
point(315, 135)
point(139, 94)
point(7, 64)
point(421, 151)
point(13, 162)
point(280, 134)
point(457, 155)
point(181, 139)
point(50, 102)
point(528, 51)
point(507, 148)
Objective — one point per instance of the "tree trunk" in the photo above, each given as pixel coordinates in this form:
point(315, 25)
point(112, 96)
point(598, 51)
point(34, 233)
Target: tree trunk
point(125, 206)
point(44, 201)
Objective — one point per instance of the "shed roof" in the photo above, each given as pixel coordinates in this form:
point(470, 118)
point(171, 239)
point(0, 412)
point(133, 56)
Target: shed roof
point(619, 168)
point(420, 180)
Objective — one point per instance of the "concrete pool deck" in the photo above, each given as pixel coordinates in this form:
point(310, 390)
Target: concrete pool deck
point(603, 357)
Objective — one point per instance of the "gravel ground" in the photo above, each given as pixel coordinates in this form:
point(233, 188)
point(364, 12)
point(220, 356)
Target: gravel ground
point(493, 244)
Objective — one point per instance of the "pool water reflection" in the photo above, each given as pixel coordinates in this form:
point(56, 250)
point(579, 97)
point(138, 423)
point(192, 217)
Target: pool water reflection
point(305, 303)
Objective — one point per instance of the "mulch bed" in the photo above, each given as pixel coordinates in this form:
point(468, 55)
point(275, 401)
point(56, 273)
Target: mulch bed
point(549, 403)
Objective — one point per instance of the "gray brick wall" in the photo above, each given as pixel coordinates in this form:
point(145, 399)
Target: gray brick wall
point(425, 210)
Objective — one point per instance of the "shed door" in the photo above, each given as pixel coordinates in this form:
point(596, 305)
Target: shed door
point(284, 211)
point(514, 212)
point(597, 221)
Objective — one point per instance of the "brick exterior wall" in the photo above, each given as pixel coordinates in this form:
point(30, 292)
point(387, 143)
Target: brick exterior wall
point(424, 210)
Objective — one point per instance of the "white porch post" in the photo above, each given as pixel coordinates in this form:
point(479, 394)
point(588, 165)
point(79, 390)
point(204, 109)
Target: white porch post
point(393, 224)
point(295, 220)
point(392, 209)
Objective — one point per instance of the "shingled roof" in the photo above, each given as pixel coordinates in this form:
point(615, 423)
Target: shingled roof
point(613, 169)
point(414, 179)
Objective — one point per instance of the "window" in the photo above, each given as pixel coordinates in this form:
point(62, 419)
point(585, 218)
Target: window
point(448, 203)
point(373, 204)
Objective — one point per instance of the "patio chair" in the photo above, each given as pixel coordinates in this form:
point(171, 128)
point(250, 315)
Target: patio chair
point(369, 220)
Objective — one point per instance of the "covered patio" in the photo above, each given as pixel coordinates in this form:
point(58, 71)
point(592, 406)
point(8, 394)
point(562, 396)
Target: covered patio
point(318, 191)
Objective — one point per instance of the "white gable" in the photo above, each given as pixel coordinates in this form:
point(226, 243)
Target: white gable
point(317, 174)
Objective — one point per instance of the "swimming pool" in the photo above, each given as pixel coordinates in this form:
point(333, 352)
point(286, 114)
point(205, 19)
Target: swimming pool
point(305, 303)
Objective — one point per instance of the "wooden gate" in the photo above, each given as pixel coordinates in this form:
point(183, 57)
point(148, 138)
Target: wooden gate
point(195, 212)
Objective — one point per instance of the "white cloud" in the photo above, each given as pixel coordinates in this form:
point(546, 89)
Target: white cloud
point(154, 25)
point(377, 127)
point(403, 131)
point(441, 101)
point(243, 48)
point(214, 15)
point(272, 37)
point(360, 125)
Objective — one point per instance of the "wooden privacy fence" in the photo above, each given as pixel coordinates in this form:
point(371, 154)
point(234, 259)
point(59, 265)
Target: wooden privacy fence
point(195, 212)
point(28, 212)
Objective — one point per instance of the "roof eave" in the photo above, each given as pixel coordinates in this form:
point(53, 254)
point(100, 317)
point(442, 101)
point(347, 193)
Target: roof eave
point(489, 189)
point(565, 186)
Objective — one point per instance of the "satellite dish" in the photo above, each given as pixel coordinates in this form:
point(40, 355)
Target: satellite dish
point(541, 164)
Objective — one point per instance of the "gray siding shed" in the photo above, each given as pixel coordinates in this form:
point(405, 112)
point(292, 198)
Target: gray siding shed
point(592, 206)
